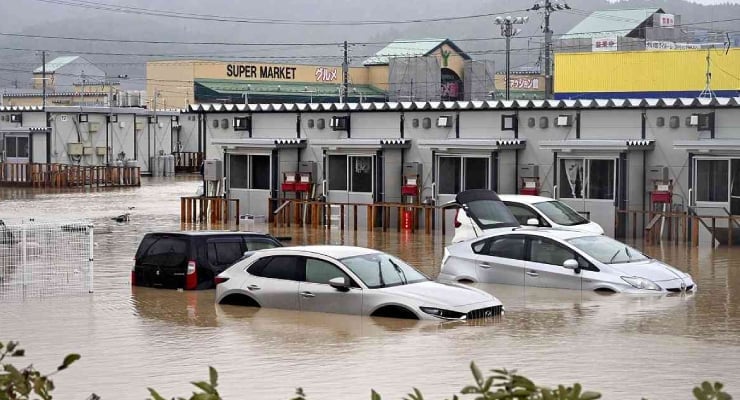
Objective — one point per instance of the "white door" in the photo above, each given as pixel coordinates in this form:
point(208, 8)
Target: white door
point(545, 265)
point(501, 260)
point(315, 293)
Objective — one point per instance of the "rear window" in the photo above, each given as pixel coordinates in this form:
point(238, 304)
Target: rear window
point(164, 251)
point(224, 252)
point(260, 243)
point(279, 267)
point(491, 214)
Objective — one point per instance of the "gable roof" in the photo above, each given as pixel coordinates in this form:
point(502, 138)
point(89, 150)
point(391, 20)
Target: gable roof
point(56, 63)
point(411, 48)
point(610, 23)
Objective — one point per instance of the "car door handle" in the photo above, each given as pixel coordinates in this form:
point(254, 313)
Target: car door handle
point(253, 287)
point(484, 266)
point(307, 294)
point(532, 273)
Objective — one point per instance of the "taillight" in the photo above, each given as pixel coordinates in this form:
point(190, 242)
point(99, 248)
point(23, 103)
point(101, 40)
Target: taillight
point(220, 279)
point(133, 273)
point(191, 276)
point(457, 221)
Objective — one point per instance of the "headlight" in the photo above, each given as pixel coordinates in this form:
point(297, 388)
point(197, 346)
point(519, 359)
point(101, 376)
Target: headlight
point(641, 283)
point(442, 313)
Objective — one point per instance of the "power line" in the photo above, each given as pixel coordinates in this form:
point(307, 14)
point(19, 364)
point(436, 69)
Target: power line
point(222, 18)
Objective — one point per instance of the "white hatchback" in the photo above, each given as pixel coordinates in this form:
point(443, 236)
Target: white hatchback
point(548, 212)
point(347, 280)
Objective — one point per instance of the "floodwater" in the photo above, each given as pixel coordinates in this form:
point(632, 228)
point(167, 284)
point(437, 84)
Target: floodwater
point(627, 347)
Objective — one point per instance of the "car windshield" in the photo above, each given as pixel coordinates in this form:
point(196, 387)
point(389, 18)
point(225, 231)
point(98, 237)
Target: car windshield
point(491, 214)
point(379, 270)
point(560, 213)
point(607, 250)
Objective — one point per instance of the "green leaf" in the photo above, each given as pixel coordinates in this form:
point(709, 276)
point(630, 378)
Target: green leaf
point(11, 346)
point(204, 386)
point(213, 374)
point(470, 390)
point(155, 395)
point(374, 395)
point(18, 353)
point(706, 387)
point(68, 361)
point(587, 395)
point(476, 373)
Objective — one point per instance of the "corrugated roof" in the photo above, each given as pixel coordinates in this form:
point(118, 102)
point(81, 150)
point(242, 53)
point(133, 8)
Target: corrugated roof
point(57, 63)
point(610, 23)
point(410, 48)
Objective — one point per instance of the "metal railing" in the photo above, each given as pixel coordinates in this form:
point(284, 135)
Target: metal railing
point(188, 161)
point(63, 175)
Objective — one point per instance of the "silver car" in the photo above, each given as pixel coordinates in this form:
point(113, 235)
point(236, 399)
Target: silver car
point(560, 259)
point(347, 280)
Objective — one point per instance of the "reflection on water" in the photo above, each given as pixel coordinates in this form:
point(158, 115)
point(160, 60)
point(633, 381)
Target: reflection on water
point(133, 338)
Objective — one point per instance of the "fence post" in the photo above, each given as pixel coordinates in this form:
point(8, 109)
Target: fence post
point(354, 216)
point(729, 230)
point(369, 217)
point(24, 257)
point(91, 263)
point(695, 232)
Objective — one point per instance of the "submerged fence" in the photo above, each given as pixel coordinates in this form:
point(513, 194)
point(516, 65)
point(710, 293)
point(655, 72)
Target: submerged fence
point(39, 259)
point(63, 175)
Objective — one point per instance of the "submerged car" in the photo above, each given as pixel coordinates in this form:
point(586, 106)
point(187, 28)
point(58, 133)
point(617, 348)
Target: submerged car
point(549, 213)
point(347, 280)
point(563, 259)
point(480, 212)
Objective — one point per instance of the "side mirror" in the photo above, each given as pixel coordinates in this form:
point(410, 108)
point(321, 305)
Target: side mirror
point(533, 222)
point(571, 264)
point(340, 283)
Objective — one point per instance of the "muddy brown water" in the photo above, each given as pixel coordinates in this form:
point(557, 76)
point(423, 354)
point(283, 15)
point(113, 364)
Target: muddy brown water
point(626, 347)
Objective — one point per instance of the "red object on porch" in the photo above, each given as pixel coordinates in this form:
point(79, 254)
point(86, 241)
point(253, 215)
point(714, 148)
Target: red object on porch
point(302, 187)
point(409, 190)
point(288, 187)
point(529, 191)
point(660, 197)
point(407, 220)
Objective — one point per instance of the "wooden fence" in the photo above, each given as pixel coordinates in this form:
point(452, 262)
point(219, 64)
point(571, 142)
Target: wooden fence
point(63, 175)
point(681, 227)
point(209, 210)
point(188, 161)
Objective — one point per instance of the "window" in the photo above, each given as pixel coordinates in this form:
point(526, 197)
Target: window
point(560, 213)
point(249, 171)
point(166, 252)
point(337, 172)
point(280, 267)
point(522, 213)
point(224, 252)
point(260, 172)
point(361, 177)
point(16, 147)
point(254, 244)
point(587, 178)
point(238, 171)
point(547, 252)
point(320, 271)
point(711, 180)
point(505, 247)
point(353, 173)
point(606, 249)
point(382, 270)
point(456, 174)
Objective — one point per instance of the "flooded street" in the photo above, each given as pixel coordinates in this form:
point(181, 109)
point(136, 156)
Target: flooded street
point(627, 347)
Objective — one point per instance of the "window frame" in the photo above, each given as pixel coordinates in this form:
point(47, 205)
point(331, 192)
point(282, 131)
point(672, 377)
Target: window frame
point(540, 219)
point(578, 256)
point(250, 170)
point(728, 163)
point(484, 251)
point(348, 174)
point(586, 185)
point(461, 179)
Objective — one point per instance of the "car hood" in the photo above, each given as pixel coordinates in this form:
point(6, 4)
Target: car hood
point(654, 270)
point(436, 293)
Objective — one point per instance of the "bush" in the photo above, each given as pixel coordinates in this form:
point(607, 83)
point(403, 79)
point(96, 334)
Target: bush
point(21, 383)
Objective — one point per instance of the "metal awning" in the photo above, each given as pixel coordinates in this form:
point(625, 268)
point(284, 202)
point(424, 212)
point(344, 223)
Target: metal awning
point(598, 145)
point(261, 143)
point(708, 145)
point(474, 144)
point(357, 144)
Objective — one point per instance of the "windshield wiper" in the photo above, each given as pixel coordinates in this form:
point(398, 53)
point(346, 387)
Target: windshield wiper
point(380, 273)
point(615, 255)
point(627, 251)
point(398, 269)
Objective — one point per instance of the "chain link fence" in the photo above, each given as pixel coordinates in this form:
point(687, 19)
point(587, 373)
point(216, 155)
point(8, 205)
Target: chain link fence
point(44, 258)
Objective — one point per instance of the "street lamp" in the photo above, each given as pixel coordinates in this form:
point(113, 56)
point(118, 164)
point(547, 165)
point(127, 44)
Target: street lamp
point(507, 29)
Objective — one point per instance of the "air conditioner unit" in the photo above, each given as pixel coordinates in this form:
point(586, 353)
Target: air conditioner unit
point(564, 120)
point(17, 118)
point(706, 122)
point(82, 118)
point(339, 123)
point(444, 121)
point(94, 126)
point(242, 123)
point(100, 150)
point(694, 120)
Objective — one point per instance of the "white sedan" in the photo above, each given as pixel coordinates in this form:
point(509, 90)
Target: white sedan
point(347, 280)
point(563, 259)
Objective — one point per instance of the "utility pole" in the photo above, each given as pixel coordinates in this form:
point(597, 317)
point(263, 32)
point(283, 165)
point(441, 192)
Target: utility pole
point(43, 79)
point(508, 30)
point(548, 8)
point(345, 75)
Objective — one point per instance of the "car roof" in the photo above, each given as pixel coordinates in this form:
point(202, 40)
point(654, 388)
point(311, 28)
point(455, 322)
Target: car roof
point(523, 198)
point(333, 251)
point(467, 196)
point(208, 233)
point(562, 234)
